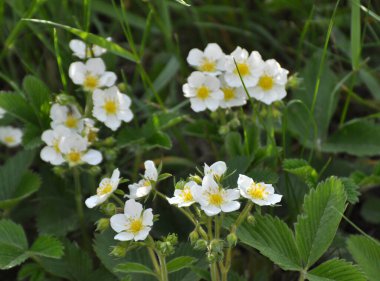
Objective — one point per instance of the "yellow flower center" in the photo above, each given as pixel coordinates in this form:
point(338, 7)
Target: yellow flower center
point(266, 82)
point(102, 190)
point(136, 226)
point(257, 191)
point(91, 82)
point(229, 93)
point(74, 156)
point(146, 183)
point(71, 122)
point(207, 66)
point(92, 136)
point(203, 93)
point(215, 199)
point(187, 196)
point(56, 146)
point(9, 139)
point(110, 107)
point(243, 69)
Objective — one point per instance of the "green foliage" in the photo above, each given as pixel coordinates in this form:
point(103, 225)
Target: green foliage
point(47, 246)
point(352, 190)
point(133, 267)
point(366, 252)
point(302, 169)
point(180, 263)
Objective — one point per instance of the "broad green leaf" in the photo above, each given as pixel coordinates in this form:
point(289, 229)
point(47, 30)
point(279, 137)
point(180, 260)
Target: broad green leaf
point(358, 137)
point(179, 263)
point(316, 226)
point(302, 169)
point(274, 239)
point(366, 252)
point(18, 107)
point(133, 267)
point(32, 136)
point(336, 270)
point(91, 38)
point(47, 246)
point(13, 244)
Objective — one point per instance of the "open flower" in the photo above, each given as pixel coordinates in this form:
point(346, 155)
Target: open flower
point(92, 74)
point(75, 150)
point(111, 107)
point(82, 51)
point(214, 199)
point(66, 115)
point(216, 170)
point(144, 186)
point(250, 68)
point(232, 96)
point(135, 224)
point(211, 61)
point(184, 197)
point(106, 187)
point(10, 136)
point(2, 112)
point(203, 91)
point(271, 83)
point(260, 193)
point(52, 153)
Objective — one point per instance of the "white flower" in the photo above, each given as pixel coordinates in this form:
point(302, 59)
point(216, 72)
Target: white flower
point(211, 61)
point(233, 96)
point(2, 112)
point(10, 136)
point(203, 91)
point(214, 199)
point(106, 187)
point(250, 68)
point(111, 107)
point(67, 116)
point(216, 170)
point(135, 224)
point(184, 197)
point(91, 75)
point(144, 186)
point(82, 51)
point(260, 193)
point(75, 150)
point(90, 131)
point(52, 153)
point(271, 83)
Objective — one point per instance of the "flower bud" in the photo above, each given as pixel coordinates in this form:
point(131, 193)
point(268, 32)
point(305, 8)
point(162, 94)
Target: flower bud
point(193, 236)
point(180, 184)
point(232, 239)
point(212, 257)
point(251, 219)
point(200, 245)
point(119, 251)
point(216, 245)
point(196, 178)
point(122, 87)
point(223, 130)
point(294, 81)
point(109, 209)
point(102, 224)
point(94, 170)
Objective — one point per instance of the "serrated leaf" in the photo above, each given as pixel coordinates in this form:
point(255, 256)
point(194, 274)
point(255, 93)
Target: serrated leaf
point(302, 169)
point(18, 107)
point(179, 263)
point(336, 270)
point(351, 189)
point(32, 271)
point(316, 226)
point(366, 252)
point(274, 239)
point(133, 267)
point(47, 246)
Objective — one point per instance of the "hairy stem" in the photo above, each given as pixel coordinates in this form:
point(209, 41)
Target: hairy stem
point(164, 269)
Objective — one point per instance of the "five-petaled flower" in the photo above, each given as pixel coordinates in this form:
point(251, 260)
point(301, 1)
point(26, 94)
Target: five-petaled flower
point(66, 115)
point(144, 186)
point(184, 197)
point(52, 152)
point(211, 61)
point(10, 136)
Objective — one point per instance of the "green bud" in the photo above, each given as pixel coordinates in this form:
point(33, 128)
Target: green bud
point(216, 245)
point(251, 219)
point(110, 141)
point(59, 171)
point(201, 244)
point(196, 178)
point(294, 81)
point(212, 257)
point(122, 87)
point(223, 130)
point(102, 224)
point(94, 170)
point(119, 251)
point(193, 236)
point(172, 239)
point(109, 209)
point(235, 123)
point(110, 154)
point(180, 184)
point(232, 239)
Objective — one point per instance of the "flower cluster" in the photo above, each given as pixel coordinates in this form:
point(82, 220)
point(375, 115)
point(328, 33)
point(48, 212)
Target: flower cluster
point(217, 81)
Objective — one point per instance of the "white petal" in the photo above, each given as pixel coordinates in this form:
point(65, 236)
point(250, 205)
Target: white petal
point(124, 236)
point(119, 222)
point(77, 71)
point(96, 66)
point(197, 105)
point(133, 208)
point(196, 79)
point(125, 115)
point(212, 104)
point(211, 210)
point(274, 198)
point(78, 47)
point(213, 51)
point(148, 217)
point(244, 181)
point(92, 201)
point(92, 157)
point(195, 57)
point(143, 191)
point(218, 168)
point(115, 175)
point(142, 235)
point(230, 206)
point(108, 79)
point(112, 122)
point(209, 183)
point(232, 194)
point(150, 170)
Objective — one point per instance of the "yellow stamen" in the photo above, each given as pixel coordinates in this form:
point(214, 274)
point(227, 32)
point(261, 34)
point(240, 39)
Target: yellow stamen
point(257, 191)
point(186, 195)
point(266, 82)
point(74, 156)
point(207, 66)
point(71, 122)
point(9, 139)
point(110, 107)
point(243, 69)
point(215, 199)
point(102, 190)
point(91, 82)
point(203, 93)
point(135, 226)
point(56, 146)
point(229, 93)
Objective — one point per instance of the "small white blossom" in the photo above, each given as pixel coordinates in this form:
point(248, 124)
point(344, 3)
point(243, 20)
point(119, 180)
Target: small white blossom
point(214, 199)
point(135, 224)
point(82, 51)
point(203, 91)
point(260, 193)
point(216, 170)
point(10, 136)
point(2, 113)
point(92, 74)
point(232, 96)
point(68, 116)
point(106, 187)
point(111, 107)
point(250, 68)
point(184, 197)
point(144, 186)
point(90, 131)
point(75, 150)
point(211, 61)
point(271, 83)
point(52, 153)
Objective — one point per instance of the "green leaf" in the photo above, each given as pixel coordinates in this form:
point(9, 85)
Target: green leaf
point(355, 34)
point(17, 106)
point(32, 136)
point(336, 270)
point(351, 189)
point(233, 144)
point(13, 244)
point(31, 272)
point(274, 239)
point(316, 226)
point(133, 267)
point(92, 39)
point(358, 137)
point(371, 210)
point(366, 252)
point(371, 82)
point(179, 263)
point(47, 246)
point(302, 169)
point(167, 74)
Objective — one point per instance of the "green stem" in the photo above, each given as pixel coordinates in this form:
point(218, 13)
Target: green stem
point(118, 200)
point(243, 215)
point(164, 269)
point(302, 276)
point(153, 258)
point(79, 205)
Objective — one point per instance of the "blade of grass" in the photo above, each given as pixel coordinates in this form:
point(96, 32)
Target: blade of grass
point(87, 14)
point(59, 60)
